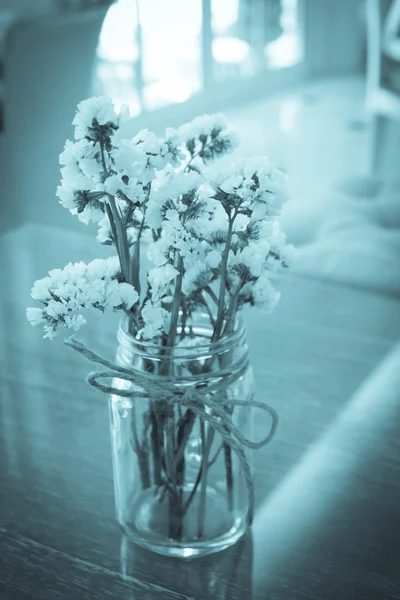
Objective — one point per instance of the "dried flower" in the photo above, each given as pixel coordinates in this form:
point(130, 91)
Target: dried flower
point(95, 119)
point(66, 293)
point(214, 237)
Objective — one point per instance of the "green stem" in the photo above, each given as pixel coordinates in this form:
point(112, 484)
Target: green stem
point(210, 315)
point(114, 233)
point(212, 294)
point(117, 225)
point(143, 459)
point(122, 238)
point(184, 430)
point(175, 304)
point(224, 268)
point(136, 260)
point(206, 447)
point(175, 520)
point(180, 479)
point(184, 319)
point(194, 490)
point(229, 474)
point(136, 253)
point(142, 454)
point(189, 165)
point(230, 316)
point(214, 458)
point(174, 524)
point(156, 432)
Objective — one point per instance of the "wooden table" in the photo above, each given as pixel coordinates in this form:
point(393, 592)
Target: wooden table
point(328, 493)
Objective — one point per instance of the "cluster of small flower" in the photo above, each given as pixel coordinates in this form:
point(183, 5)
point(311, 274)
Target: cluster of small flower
point(252, 192)
point(213, 233)
point(106, 160)
point(208, 137)
point(65, 293)
point(254, 184)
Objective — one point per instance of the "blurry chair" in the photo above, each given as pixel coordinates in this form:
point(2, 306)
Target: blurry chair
point(48, 70)
point(383, 73)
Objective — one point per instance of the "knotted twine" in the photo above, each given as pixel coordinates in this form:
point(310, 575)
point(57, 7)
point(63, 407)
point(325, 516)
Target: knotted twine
point(165, 389)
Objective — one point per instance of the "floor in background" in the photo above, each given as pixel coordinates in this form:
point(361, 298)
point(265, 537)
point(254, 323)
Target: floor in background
point(318, 134)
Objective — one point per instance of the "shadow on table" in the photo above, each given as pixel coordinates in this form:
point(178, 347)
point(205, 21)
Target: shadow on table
point(330, 529)
point(225, 575)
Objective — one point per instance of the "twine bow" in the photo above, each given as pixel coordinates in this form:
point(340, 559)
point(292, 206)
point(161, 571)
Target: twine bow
point(192, 398)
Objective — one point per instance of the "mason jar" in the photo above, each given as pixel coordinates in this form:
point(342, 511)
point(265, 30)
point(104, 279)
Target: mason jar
point(180, 487)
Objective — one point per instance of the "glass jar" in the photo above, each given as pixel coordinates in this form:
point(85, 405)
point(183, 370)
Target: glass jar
point(180, 489)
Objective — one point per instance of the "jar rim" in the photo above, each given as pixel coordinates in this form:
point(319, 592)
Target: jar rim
point(227, 341)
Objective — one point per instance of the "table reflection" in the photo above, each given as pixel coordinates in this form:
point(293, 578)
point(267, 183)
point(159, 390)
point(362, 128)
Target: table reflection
point(224, 575)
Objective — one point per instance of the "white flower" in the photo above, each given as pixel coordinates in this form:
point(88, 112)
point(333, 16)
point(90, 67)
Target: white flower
point(193, 274)
point(80, 159)
point(208, 137)
point(128, 294)
point(213, 259)
point(140, 156)
point(289, 255)
point(72, 272)
point(55, 309)
point(259, 184)
point(35, 316)
point(263, 293)
point(67, 156)
point(65, 293)
point(202, 125)
point(126, 126)
point(184, 210)
point(162, 275)
point(156, 320)
point(149, 142)
point(281, 254)
point(74, 322)
point(67, 196)
point(101, 269)
point(153, 213)
point(50, 332)
point(91, 168)
point(40, 290)
point(252, 256)
point(100, 109)
point(104, 232)
point(89, 214)
point(130, 158)
point(231, 184)
point(176, 185)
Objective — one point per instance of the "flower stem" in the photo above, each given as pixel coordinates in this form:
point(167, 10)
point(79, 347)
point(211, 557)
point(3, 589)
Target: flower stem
point(117, 226)
point(229, 474)
point(210, 315)
point(230, 316)
point(142, 455)
point(206, 447)
point(136, 260)
point(212, 294)
point(121, 238)
point(224, 268)
point(174, 524)
point(175, 519)
point(175, 304)
point(156, 439)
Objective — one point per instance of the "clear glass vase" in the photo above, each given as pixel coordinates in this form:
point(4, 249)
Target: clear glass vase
point(180, 489)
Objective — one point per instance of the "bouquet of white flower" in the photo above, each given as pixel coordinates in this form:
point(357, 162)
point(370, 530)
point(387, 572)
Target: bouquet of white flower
point(213, 240)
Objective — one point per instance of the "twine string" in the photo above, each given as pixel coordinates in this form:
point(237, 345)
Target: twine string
point(165, 389)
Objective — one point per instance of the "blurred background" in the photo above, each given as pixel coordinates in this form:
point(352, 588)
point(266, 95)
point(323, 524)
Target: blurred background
point(314, 84)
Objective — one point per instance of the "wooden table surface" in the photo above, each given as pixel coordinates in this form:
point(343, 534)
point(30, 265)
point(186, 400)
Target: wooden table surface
point(327, 488)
